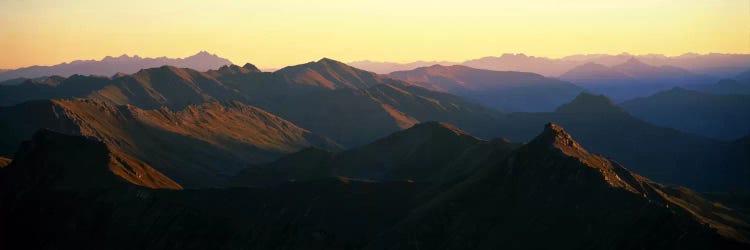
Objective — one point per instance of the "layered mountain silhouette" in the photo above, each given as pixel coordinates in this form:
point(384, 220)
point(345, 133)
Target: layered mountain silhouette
point(738, 85)
point(329, 98)
point(663, 154)
point(633, 78)
point(353, 107)
point(199, 146)
point(725, 117)
point(429, 152)
point(108, 66)
point(538, 196)
point(714, 64)
point(389, 67)
point(503, 90)
point(550, 192)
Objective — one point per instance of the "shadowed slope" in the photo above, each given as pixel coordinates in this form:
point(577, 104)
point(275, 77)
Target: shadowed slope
point(429, 152)
point(168, 86)
point(331, 74)
point(56, 161)
point(552, 193)
point(50, 88)
point(4, 161)
point(360, 107)
point(198, 146)
point(663, 154)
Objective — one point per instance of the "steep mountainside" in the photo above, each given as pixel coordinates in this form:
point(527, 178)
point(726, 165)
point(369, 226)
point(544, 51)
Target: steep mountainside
point(327, 97)
point(725, 117)
point(175, 88)
point(74, 163)
point(503, 90)
point(111, 65)
point(198, 146)
point(662, 154)
point(352, 106)
point(552, 193)
point(331, 74)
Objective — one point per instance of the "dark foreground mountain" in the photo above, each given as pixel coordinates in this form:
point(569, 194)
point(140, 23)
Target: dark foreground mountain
point(662, 154)
point(111, 65)
point(725, 117)
point(199, 146)
point(429, 152)
point(503, 90)
point(550, 193)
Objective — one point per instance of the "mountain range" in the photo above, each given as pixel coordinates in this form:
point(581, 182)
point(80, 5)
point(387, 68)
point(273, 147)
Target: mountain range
point(351, 107)
point(550, 192)
point(108, 66)
point(633, 78)
point(508, 91)
point(721, 116)
point(323, 155)
point(714, 64)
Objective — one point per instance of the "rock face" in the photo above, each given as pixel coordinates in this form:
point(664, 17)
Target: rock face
point(550, 192)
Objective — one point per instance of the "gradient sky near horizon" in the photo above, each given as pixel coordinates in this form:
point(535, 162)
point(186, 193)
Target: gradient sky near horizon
point(284, 32)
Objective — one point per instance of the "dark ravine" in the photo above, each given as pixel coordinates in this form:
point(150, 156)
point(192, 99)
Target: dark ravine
point(550, 192)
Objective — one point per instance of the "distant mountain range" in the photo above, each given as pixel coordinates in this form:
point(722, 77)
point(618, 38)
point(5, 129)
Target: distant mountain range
point(508, 91)
point(714, 64)
point(722, 116)
point(109, 66)
point(633, 78)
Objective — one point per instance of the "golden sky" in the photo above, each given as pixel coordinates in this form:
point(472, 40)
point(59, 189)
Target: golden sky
point(275, 33)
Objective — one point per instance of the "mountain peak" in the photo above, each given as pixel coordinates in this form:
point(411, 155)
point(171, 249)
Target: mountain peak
point(590, 103)
point(633, 63)
point(556, 136)
point(251, 67)
point(326, 60)
point(203, 53)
